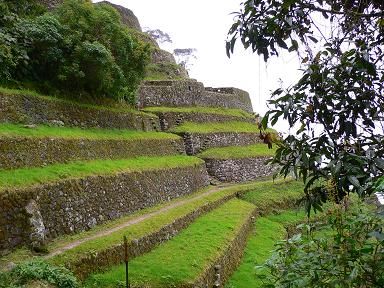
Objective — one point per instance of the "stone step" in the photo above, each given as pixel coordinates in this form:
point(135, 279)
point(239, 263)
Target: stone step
point(239, 163)
point(40, 204)
point(171, 117)
point(28, 146)
point(203, 255)
point(20, 106)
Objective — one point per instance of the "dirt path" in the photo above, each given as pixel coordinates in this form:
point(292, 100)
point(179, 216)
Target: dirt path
point(139, 219)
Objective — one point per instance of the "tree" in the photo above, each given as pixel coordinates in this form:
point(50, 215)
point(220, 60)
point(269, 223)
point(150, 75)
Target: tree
point(338, 102)
point(184, 56)
point(159, 35)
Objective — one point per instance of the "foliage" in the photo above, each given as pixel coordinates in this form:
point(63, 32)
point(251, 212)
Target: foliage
point(346, 252)
point(336, 107)
point(159, 35)
point(184, 56)
point(38, 270)
point(79, 49)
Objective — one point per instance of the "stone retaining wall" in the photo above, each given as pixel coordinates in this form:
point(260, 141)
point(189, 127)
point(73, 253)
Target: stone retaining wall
point(228, 261)
point(239, 170)
point(44, 110)
point(114, 255)
point(197, 142)
point(190, 93)
point(169, 120)
point(27, 152)
point(44, 212)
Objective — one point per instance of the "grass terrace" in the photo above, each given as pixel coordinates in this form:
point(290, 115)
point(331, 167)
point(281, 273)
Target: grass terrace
point(258, 150)
point(24, 177)
point(268, 230)
point(215, 127)
point(202, 110)
point(187, 255)
point(110, 107)
point(43, 131)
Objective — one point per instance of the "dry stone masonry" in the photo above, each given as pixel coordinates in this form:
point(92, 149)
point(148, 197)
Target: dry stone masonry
point(176, 93)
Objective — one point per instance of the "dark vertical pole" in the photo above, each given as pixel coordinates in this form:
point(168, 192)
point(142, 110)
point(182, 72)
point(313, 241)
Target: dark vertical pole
point(126, 262)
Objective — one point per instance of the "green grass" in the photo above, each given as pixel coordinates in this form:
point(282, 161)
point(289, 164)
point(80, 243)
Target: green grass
point(202, 110)
point(113, 106)
point(25, 177)
point(270, 194)
point(183, 258)
point(42, 131)
point(213, 127)
point(258, 150)
point(268, 231)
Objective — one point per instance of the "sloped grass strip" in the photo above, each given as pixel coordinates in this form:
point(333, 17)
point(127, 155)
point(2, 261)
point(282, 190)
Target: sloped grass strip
point(203, 110)
point(236, 152)
point(24, 177)
point(182, 260)
point(268, 231)
point(30, 93)
point(43, 131)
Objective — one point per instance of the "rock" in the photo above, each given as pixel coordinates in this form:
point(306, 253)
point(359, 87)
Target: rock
point(127, 16)
point(38, 231)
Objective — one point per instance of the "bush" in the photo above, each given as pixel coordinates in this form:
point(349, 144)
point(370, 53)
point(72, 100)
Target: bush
point(80, 49)
point(346, 252)
point(38, 271)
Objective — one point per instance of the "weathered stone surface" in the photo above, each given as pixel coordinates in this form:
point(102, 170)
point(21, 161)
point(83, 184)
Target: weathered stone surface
point(127, 16)
point(169, 120)
point(38, 232)
point(198, 142)
point(239, 170)
point(191, 93)
point(30, 152)
point(44, 110)
point(75, 205)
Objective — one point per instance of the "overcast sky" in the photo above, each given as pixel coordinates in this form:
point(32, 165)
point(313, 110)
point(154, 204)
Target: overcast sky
point(203, 25)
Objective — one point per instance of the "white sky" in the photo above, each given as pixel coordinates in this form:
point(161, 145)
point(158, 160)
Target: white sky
point(203, 24)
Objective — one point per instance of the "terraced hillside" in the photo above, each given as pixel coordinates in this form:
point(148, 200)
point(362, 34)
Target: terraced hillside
point(76, 178)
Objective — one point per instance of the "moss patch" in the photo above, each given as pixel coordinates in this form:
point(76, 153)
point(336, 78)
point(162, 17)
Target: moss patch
point(205, 110)
point(18, 178)
point(258, 150)
point(40, 131)
point(183, 258)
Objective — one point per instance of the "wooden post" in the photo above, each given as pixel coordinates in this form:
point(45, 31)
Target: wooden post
point(126, 262)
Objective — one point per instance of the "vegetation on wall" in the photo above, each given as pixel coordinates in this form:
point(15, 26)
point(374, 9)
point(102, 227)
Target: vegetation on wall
point(337, 104)
point(80, 49)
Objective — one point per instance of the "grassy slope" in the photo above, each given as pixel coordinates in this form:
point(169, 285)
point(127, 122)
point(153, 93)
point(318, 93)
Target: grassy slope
point(126, 109)
point(268, 230)
point(202, 110)
point(42, 131)
point(24, 177)
point(183, 258)
point(257, 150)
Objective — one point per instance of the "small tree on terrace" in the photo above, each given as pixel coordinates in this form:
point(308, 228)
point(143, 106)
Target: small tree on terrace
point(338, 104)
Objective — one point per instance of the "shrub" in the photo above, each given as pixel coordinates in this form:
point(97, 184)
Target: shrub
point(346, 252)
point(80, 49)
point(38, 271)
